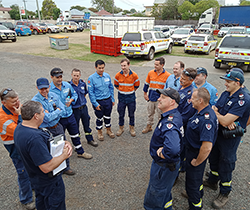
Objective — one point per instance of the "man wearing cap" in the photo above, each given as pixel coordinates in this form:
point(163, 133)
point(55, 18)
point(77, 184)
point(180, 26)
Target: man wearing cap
point(185, 106)
point(232, 111)
point(200, 137)
point(80, 108)
point(101, 94)
point(165, 151)
point(67, 95)
point(53, 110)
point(173, 80)
point(200, 81)
point(156, 79)
point(10, 117)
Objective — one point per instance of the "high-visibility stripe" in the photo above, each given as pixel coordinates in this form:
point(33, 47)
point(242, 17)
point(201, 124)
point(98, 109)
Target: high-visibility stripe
point(8, 142)
point(106, 117)
point(168, 204)
point(99, 127)
point(201, 187)
point(5, 125)
point(126, 93)
point(126, 84)
point(226, 184)
point(100, 119)
point(215, 173)
point(153, 88)
point(107, 125)
point(86, 134)
point(136, 81)
point(78, 146)
point(198, 204)
point(74, 136)
point(156, 82)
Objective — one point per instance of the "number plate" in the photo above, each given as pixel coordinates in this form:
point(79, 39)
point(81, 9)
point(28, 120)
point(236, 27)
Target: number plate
point(131, 53)
point(176, 43)
point(232, 64)
point(194, 44)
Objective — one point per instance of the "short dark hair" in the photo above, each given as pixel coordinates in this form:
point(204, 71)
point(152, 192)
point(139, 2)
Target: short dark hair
point(191, 73)
point(99, 62)
point(161, 59)
point(76, 70)
point(204, 94)
point(7, 93)
point(29, 109)
point(182, 65)
point(125, 60)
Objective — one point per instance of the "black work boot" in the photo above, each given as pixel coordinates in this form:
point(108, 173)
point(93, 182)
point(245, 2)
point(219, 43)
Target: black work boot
point(213, 186)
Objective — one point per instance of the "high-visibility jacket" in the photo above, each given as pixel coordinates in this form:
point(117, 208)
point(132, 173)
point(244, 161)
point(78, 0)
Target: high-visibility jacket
point(8, 123)
point(154, 82)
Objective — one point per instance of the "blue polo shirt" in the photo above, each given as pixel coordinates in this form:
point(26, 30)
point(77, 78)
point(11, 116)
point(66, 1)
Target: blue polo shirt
point(100, 87)
point(173, 82)
point(53, 117)
point(81, 91)
point(238, 104)
point(202, 126)
point(66, 90)
point(185, 106)
point(167, 134)
point(212, 91)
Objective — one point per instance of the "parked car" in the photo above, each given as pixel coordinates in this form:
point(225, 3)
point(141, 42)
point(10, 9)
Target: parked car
point(79, 27)
point(67, 26)
point(7, 34)
point(180, 35)
point(206, 28)
point(247, 30)
point(200, 43)
point(52, 28)
point(172, 28)
point(164, 29)
point(33, 26)
point(145, 43)
point(8, 25)
point(223, 31)
point(22, 30)
point(188, 26)
point(43, 27)
point(237, 30)
point(233, 50)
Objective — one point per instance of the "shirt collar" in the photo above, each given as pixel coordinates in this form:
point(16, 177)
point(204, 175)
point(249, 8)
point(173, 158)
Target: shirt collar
point(130, 72)
point(8, 112)
point(169, 112)
point(162, 71)
point(203, 111)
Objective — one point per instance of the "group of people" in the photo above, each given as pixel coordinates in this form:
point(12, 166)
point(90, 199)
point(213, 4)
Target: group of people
point(194, 125)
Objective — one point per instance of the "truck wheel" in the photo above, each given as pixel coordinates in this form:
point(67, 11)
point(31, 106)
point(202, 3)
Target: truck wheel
point(150, 54)
point(248, 68)
point(35, 32)
point(169, 50)
point(217, 64)
point(208, 52)
point(186, 51)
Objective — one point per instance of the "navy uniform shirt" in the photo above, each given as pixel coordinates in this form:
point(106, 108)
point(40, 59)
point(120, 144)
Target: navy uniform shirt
point(238, 104)
point(185, 106)
point(81, 91)
point(167, 134)
point(203, 126)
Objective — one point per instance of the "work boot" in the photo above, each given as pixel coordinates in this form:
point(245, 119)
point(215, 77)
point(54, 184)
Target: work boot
point(121, 130)
point(100, 135)
point(147, 129)
point(85, 155)
point(30, 206)
point(220, 201)
point(132, 130)
point(213, 186)
point(110, 133)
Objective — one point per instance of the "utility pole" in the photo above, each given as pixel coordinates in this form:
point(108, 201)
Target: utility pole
point(113, 7)
point(38, 11)
point(25, 9)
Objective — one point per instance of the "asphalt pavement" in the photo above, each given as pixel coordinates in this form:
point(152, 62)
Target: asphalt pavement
point(117, 176)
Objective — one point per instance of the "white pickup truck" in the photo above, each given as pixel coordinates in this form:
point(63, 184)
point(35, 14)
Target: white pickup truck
point(145, 43)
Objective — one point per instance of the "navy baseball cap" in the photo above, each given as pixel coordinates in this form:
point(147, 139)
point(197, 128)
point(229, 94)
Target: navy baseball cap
point(42, 83)
point(234, 76)
point(238, 70)
point(170, 92)
point(201, 70)
point(56, 72)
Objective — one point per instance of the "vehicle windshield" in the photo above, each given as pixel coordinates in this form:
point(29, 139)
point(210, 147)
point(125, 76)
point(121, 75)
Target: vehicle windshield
point(248, 30)
point(205, 26)
point(196, 38)
point(36, 24)
point(224, 29)
point(172, 27)
point(181, 31)
point(50, 24)
point(156, 29)
point(236, 42)
point(10, 25)
point(3, 28)
point(42, 24)
point(132, 37)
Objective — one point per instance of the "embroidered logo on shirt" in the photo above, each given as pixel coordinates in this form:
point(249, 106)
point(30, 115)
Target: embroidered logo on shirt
point(88, 81)
point(189, 92)
point(241, 102)
point(106, 79)
point(229, 103)
point(170, 118)
point(169, 125)
point(208, 126)
point(196, 121)
point(182, 96)
point(241, 96)
point(189, 100)
point(206, 116)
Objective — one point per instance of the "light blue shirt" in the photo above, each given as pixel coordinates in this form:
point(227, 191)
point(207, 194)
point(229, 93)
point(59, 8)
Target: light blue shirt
point(173, 82)
point(212, 91)
point(100, 88)
point(66, 90)
point(51, 118)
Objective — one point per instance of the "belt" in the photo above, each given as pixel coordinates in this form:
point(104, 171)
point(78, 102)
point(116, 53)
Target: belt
point(54, 126)
point(81, 107)
point(105, 99)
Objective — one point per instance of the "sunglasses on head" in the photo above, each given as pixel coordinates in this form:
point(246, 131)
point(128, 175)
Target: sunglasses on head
point(5, 92)
point(58, 72)
point(187, 73)
point(231, 76)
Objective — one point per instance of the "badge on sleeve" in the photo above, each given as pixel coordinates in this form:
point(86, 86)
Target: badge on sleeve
point(170, 117)
point(169, 125)
point(189, 92)
point(206, 115)
point(241, 102)
point(208, 126)
point(241, 96)
point(88, 81)
point(189, 100)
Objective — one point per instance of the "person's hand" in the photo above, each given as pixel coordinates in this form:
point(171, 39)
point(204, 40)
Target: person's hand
point(159, 151)
point(146, 96)
point(58, 108)
point(98, 107)
point(232, 126)
point(70, 101)
point(113, 103)
point(68, 148)
point(17, 108)
point(193, 162)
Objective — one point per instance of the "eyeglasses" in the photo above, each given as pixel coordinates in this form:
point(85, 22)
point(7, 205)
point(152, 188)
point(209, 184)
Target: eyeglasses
point(231, 76)
point(5, 92)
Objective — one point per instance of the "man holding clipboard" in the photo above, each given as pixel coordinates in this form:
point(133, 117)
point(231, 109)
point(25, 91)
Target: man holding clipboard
point(32, 145)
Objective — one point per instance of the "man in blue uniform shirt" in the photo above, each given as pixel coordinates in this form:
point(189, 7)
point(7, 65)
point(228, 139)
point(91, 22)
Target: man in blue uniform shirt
point(67, 96)
point(232, 111)
point(200, 137)
point(173, 80)
point(165, 151)
point(200, 81)
point(53, 110)
point(32, 146)
point(101, 94)
point(80, 108)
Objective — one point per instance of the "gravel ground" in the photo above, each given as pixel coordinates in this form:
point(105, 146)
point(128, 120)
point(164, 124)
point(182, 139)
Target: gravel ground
point(117, 176)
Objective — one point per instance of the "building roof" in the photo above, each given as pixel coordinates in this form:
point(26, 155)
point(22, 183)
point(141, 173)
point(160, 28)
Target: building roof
point(91, 13)
point(160, 1)
point(103, 12)
point(76, 12)
point(5, 9)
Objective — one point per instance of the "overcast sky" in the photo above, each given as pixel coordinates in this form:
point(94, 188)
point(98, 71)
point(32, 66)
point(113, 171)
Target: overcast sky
point(66, 4)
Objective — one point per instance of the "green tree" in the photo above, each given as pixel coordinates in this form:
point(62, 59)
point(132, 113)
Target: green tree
point(47, 8)
point(93, 9)
point(124, 12)
point(156, 12)
point(139, 14)
point(80, 8)
point(117, 10)
point(1, 5)
point(244, 3)
point(103, 4)
point(14, 13)
point(56, 13)
point(194, 2)
point(170, 11)
point(133, 10)
point(203, 5)
point(186, 10)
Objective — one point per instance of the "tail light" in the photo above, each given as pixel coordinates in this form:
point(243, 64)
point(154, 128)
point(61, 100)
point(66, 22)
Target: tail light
point(186, 42)
point(21, 29)
point(69, 26)
point(216, 52)
point(205, 44)
point(143, 46)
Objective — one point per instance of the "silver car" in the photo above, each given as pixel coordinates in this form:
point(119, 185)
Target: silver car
point(180, 35)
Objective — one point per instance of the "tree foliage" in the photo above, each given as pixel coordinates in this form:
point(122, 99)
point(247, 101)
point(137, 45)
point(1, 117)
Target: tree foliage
point(14, 13)
point(157, 12)
point(194, 2)
point(93, 9)
point(56, 13)
point(139, 14)
point(244, 3)
point(186, 10)
point(170, 11)
point(203, 5)
point(47, 9)
point(78, 7)
point(103, 4)
point(133, 10)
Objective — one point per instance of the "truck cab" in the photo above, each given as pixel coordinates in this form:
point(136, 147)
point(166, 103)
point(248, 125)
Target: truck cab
point(207, 17)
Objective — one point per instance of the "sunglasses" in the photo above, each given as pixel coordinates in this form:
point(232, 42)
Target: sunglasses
point(187, 73)
point(57, 72)
point(5, 92)
point(230, 76)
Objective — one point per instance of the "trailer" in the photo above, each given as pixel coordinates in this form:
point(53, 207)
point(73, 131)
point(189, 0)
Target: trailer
point(106, 32)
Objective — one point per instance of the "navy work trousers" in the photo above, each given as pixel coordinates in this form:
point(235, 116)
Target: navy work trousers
point(131, 112)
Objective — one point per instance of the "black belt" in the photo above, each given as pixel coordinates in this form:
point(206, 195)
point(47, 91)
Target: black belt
point(81, 107)
point(105, 99)
point(170, 166)
point(53, 126)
